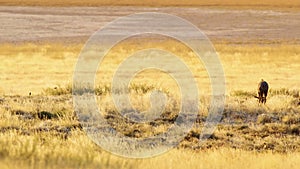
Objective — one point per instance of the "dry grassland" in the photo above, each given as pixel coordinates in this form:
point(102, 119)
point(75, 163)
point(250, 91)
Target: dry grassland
point(42, 130)
point(32, 67)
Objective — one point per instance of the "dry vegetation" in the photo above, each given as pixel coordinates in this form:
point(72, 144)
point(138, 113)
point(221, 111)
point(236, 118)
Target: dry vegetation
point(51, 65)
point(42, 131)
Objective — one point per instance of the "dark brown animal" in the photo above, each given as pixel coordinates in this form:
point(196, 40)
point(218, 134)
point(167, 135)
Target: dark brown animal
point(263, 88)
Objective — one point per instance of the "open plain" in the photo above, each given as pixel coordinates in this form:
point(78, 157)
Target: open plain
point(39, 48)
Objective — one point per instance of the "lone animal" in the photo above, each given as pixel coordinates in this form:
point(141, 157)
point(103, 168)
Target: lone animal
point(263, 88)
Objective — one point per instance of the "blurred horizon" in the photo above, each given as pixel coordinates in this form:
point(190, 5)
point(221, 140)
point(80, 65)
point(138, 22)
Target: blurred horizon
point(71, 25)
point(253, 3)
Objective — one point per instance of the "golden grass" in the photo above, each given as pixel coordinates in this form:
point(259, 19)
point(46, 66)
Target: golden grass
point(42, 131)
point(31, 141)
point(31, 67)
point(83, 154)
point(277, 3)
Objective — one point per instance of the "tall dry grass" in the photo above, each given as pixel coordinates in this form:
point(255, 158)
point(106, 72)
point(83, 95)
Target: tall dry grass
point(42, 131)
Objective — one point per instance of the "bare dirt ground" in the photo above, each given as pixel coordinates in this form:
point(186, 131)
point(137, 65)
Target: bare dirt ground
point(73, 24)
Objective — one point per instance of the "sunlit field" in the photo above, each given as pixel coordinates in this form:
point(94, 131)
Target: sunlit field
point(39, 128)
point(41, 41)
point(52, 65)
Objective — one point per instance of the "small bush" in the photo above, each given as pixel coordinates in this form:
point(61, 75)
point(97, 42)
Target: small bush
point(58, 90)
point(141, 88)
point(243, 93)
point(290, 119)
point(102, 89)
point(46, 115)
point(263, 118)
point(284, 91)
